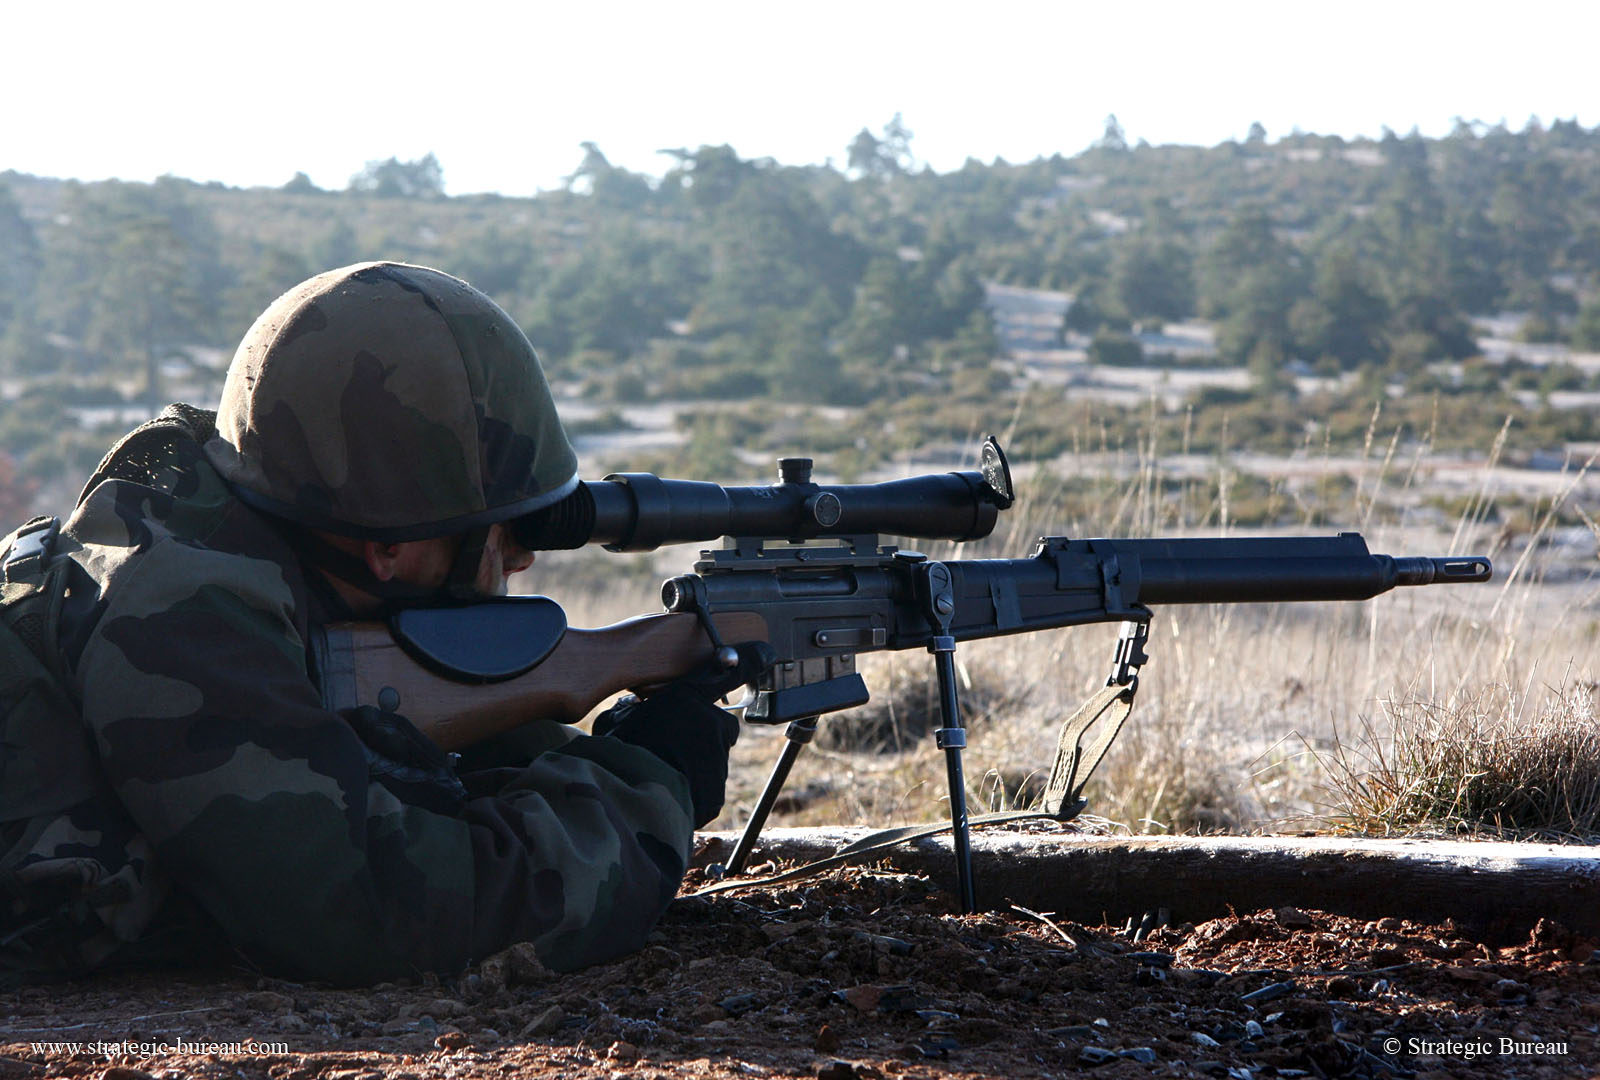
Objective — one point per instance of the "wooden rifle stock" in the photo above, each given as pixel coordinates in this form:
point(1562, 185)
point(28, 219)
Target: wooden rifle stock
point(363, 665)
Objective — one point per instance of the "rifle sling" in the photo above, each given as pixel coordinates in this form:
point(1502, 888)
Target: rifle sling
point(1063, 798)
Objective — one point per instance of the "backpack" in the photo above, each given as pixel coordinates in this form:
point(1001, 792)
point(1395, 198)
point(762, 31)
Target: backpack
point(53, 890)
point(46, 764)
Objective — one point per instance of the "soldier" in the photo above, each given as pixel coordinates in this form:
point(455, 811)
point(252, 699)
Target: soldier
point(379, 425)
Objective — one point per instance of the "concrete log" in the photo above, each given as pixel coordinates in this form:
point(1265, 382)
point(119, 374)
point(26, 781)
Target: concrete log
point(1498, 888)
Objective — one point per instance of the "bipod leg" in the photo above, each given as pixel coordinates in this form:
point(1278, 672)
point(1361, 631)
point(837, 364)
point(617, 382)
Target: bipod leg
point(798, 734)
point(952, 739)
point(939, 602)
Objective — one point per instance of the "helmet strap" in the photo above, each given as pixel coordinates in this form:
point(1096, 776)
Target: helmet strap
point(462, 582)
point(393, 595)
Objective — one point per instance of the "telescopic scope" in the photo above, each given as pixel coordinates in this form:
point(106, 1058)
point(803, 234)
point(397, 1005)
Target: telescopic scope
point(642, 511)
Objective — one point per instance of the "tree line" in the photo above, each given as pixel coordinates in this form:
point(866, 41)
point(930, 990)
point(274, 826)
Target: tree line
point(729, 277)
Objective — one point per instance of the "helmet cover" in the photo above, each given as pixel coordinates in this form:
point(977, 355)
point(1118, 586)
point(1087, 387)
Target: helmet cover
point(390, 402)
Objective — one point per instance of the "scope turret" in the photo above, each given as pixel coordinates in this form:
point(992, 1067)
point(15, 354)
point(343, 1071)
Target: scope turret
point(642, 511)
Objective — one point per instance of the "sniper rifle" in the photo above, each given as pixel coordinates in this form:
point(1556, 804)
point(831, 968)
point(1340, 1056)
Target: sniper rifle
point(803, 569)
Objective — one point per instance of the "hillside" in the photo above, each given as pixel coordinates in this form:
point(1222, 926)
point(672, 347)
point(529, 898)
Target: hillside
point(1261, 295)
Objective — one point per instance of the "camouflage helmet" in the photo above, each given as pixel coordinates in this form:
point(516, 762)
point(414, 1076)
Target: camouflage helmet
point(390, 402)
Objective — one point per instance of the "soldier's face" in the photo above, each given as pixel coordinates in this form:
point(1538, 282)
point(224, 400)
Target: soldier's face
point(502, 557)
point(428, 562)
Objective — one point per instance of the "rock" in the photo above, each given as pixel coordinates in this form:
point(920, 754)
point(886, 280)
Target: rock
point(1511, 989)
point(836, 1070)
point(546, 1023)
point(1269, 993)
point(1142, 1054)
point(438, 1008)
point(1342, 986)
point(827, 1041)
point(604, 1022)
point(937, 1045)
point(658, 958)
point(1292, 918)
point(1090, 1056)
point(639, 1032)
point(291, 1022)
point(1468, 974)
point(906, 999)
point(708, 1014)
point(1073, 1032)
point(452, 1040)
point(869, 998)
point(1391, 924)
point(739, 1004)
point(891, 945)
point(862, 998)
point(517, 964)
point(125, 1072)
point(1388, 957)
point(269, 1002)
point(623, 1051)
point(1547, 933)
point(1200, 1038)
point(1152, 959)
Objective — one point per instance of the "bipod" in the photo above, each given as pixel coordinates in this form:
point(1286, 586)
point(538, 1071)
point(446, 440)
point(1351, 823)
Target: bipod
point(1104, 713)
point(939, 603)
point(798, 734)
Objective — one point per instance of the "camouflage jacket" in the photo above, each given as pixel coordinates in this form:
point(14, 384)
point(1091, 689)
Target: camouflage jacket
point(224, 788)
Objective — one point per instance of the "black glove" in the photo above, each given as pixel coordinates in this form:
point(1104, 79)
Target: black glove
point(680, 725)
point(406, 761)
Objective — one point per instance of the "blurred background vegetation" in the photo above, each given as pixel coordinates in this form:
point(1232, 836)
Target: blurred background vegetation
point(1331, 274)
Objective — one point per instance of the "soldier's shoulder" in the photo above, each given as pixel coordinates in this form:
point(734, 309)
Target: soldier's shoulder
point(161, 530)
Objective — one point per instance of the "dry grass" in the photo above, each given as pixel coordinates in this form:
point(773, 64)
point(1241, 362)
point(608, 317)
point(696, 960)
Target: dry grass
point(1479, 766)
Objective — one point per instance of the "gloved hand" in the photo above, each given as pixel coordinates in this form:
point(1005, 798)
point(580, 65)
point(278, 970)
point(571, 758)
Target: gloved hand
point(680, 725)
point(406, 761)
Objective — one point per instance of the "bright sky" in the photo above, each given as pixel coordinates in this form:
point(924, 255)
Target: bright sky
point(247, 93)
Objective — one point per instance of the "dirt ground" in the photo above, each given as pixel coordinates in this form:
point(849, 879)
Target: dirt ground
point(867, 974)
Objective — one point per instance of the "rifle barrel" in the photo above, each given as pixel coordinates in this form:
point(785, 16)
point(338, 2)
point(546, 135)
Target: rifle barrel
point(1269, 569)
